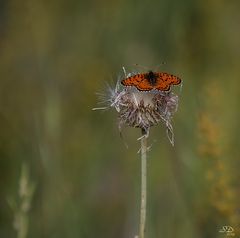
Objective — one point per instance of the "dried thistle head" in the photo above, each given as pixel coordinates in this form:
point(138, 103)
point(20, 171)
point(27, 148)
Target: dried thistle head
point(142, 109)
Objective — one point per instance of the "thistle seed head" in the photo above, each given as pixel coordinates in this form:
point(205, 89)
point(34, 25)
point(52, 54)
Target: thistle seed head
point(142, 109)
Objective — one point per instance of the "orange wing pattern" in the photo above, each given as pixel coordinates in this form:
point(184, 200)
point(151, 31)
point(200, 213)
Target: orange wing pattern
point(152, 80)
point(166, 80)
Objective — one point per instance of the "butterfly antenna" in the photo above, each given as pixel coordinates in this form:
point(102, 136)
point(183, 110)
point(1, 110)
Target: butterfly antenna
point(141, 66)
point(159, 65)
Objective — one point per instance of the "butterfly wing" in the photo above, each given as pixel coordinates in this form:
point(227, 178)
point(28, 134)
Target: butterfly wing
point(144, 85)
point(165, 81)
point(132, 80)
point(141, 82)
point(137, 80)
point(175, 80)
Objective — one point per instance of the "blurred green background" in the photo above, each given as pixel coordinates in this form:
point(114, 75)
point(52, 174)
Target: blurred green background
point(55, 56)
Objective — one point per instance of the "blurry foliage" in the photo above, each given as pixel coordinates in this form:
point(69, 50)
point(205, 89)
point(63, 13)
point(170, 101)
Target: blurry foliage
point(22, 206)
point(55, 55)
point(222, 204)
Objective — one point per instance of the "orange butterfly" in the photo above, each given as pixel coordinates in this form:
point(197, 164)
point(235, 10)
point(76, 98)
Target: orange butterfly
point(152, 80)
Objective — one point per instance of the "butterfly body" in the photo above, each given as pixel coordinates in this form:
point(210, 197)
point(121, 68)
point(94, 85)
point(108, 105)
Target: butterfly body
point(152, 80)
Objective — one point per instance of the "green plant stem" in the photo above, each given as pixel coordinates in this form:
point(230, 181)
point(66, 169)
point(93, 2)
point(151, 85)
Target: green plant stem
point(143, 184)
